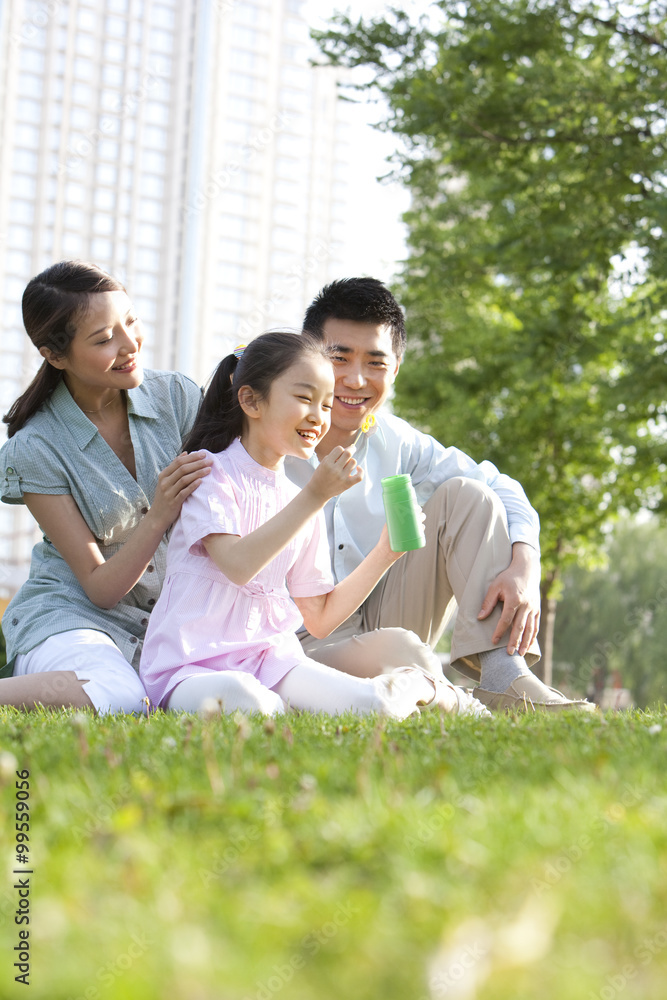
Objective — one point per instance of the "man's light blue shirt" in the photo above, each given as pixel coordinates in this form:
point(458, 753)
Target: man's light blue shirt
point(355, 518)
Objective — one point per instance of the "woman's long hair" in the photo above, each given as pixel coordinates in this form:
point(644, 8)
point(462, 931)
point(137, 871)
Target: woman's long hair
point(53, 302)
point(266, 358)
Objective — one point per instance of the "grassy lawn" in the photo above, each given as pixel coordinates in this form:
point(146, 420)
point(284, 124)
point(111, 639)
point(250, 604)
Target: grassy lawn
point(319, 858)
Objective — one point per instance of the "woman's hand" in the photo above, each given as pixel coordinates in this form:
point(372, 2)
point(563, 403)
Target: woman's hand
point(335, 474)
point(107, 581)
point(176, 482)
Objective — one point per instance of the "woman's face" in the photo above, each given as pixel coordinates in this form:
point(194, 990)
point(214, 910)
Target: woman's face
point(104, 352)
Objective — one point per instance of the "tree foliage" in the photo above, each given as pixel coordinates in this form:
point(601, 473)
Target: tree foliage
point(614, 619)
point(536, 284)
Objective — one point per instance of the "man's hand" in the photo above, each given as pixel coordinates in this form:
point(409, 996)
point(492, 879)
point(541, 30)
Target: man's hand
point(518, 589)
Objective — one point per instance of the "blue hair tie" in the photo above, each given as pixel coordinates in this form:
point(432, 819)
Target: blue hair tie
point(238, 351)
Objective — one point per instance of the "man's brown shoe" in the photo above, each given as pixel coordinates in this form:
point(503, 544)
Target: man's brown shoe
point(529, 694)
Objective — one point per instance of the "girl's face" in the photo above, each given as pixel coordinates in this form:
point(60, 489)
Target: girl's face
point(295, 416)
point(104, 352)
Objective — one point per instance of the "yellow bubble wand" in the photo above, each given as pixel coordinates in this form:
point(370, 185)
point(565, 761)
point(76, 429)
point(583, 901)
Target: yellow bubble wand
point(365, 428)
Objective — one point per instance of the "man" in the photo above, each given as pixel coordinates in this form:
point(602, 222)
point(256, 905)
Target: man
point(482, 535)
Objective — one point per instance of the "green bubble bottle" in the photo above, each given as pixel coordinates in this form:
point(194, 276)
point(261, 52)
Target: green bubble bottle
point(404, 524)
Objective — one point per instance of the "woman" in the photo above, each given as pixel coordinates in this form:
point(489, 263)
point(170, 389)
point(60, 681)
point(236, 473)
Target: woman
point(87, 441)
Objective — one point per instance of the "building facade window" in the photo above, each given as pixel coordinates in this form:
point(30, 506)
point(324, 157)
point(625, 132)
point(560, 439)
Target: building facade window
point(21, 211)
point(114, 52)
point(115, 27)
point(102, 250)
point(84, 45)
point(24, 161)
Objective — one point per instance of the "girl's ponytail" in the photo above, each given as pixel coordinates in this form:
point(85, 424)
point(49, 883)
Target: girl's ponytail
point(220, 418)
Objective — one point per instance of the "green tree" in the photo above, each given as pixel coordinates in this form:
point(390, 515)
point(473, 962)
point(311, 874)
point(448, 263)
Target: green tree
point(536, 284)
point(614, 619)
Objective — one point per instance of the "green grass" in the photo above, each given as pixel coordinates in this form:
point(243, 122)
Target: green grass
point(339, 858)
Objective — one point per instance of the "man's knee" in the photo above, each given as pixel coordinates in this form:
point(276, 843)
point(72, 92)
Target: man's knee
point(463, 498)
point(404, 648)
point(394, 637)
point(463, 489)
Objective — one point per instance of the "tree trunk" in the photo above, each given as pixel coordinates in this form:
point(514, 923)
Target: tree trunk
point(544, 669)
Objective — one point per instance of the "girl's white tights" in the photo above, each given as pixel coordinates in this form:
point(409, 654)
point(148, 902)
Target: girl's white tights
point(308, 685)
point(318, 688)
point(230, 689)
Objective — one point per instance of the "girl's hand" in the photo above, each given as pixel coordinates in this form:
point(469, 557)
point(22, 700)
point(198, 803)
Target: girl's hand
point(335, 474)
point(180, 478)
point(385, 550)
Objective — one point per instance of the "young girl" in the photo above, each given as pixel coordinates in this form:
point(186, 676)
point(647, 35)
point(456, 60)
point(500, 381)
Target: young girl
point(248, 558)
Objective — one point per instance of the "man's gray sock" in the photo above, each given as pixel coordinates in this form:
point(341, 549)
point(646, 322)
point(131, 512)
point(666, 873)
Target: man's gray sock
point(499, 669)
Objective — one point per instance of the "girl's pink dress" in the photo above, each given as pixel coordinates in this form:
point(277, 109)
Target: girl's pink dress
point(202, 621)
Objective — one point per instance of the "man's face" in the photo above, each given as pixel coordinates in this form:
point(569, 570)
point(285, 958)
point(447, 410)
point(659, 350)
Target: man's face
point(365, 367)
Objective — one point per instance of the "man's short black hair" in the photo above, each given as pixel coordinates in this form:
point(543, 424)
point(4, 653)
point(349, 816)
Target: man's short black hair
point(362, 300)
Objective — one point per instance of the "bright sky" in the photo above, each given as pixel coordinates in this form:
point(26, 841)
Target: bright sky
point(376, 234)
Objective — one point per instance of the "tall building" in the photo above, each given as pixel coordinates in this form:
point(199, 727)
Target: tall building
point(187, 147)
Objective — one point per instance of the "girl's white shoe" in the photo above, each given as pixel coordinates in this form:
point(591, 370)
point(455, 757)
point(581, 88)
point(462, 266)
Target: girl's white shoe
point(466, 704)
point(447, 697)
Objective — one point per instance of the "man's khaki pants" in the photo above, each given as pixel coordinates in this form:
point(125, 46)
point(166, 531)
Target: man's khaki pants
point(467, 546)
